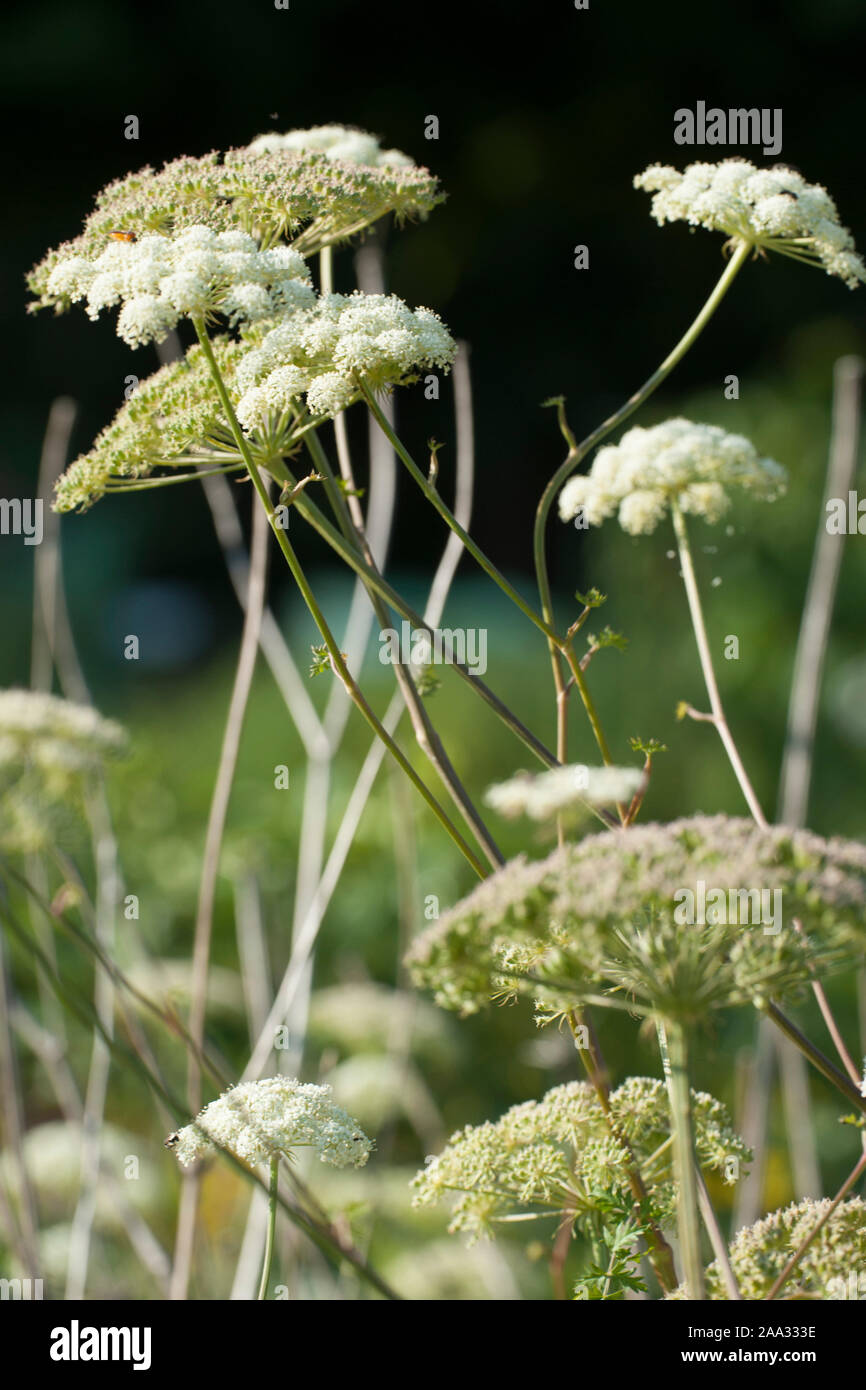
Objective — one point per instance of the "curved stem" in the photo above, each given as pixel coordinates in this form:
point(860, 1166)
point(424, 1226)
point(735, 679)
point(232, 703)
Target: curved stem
point(577, 452)
point(272, 1226)
point(718, 715)
point(334, 652)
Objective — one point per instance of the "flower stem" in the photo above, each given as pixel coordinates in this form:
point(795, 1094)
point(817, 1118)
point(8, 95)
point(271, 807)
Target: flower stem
point(672, 1043)
point(351, 523)
point(272, 1226)
point(577, 452)
point(718, 715)
point(659, 1252)
point(353, 558)
point(307, 594)
point(816, 1057)
point(432, 495)
point(588, 703)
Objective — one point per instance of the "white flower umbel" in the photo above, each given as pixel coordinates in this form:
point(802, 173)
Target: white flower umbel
point(51, 750)
point(770, 209)
point(334, 141)
point(30, 719)
point(760, 1253)
point(198, 272)
point(327, 352)
point(260, 1120)
point(678, 460)
point(543, 795)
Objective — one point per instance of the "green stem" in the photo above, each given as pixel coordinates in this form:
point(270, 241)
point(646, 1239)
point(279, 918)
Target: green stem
point(316, 518)
point(672, 1043)
point(821, 1063)
point(660, 1253)
point(351, 523)
point(169, 482)
point(272, 1226)
point(588, 702)
point(330, 641)
point(577, 452)
point(706, 660)
point(432, 495)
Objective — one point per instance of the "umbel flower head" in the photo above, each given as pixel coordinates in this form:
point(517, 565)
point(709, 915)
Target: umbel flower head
point(50, 749)
point(259, 1120)
point(336, 142)
point(833, 1267)
point(770, 209)
point(325, 353)
point(559, 1157)
point(639, 477)
point(173, 420)
point(607, 919)
point(543, 795)
point(312, 198)
point(195, 272)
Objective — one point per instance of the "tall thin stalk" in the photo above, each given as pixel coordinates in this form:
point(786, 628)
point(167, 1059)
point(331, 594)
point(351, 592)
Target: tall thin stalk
point(718, 713)
point(578, 452)
point(334, 653)
point(185, 1235)
point(674, 1051)
point(273, 1188)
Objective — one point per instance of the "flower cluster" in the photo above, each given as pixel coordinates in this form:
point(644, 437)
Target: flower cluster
point(173, 418)
point(598, 919)
point(772, 209)
point(542, 795)
point(325, 353)
point(194, 273)
point(759, 1253)
point(336, 142)
point(562, 1156)
point(49, 749)
point(641, 475)
point(259, 1120)
point(313, 196)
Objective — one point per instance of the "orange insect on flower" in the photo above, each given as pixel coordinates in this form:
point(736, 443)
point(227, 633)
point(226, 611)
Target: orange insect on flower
point(122, 236)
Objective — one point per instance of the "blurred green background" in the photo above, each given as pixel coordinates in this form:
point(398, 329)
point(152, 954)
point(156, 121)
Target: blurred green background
point(545, 116)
